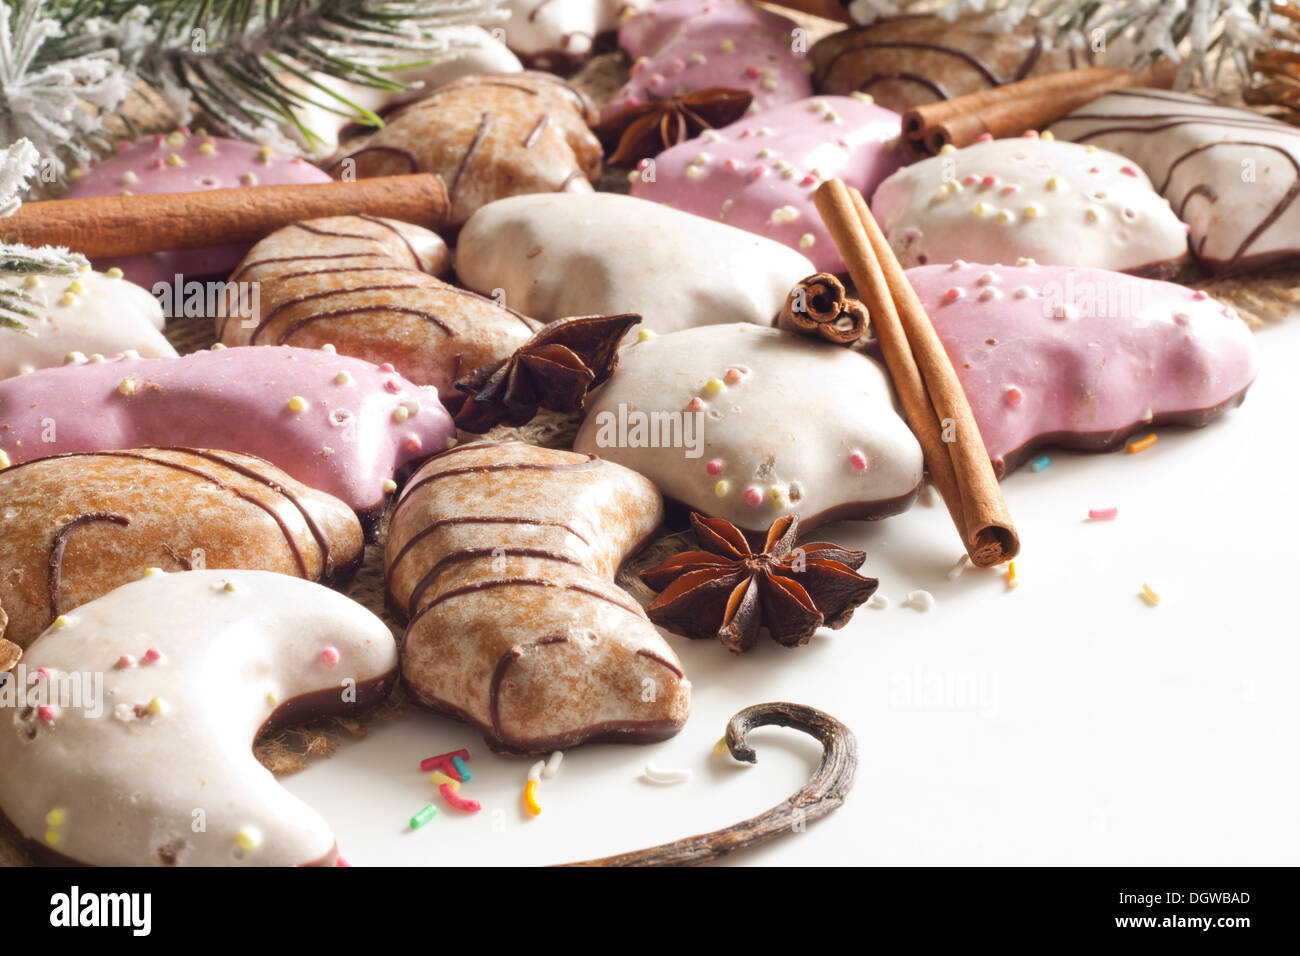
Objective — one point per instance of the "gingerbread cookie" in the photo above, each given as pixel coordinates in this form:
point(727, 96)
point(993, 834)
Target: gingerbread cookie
point(759, 174)
point(680, 46)
point(502, 556)
point(1232, 175)
point(77, 526)
point(606, 254)
point(487, 137)
point(45, 318)
point(474, 50)
point(177, 674)
point(558, 35)
point(748, 424)
point(337, 424)
point(1082, 358)
point(183, 162)
point(908, 61)
point(364, 285)
point(1008, 199)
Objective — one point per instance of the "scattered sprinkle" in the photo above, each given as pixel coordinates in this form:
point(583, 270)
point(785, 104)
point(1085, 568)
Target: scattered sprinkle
point(919, 599)
point(1142, 444)
point(1039, 464)
point(664, 778)
point(1149, 595)
point(1103, 514)
point(530, 798)
point(297, 404)
point(553, 764)
point(458, 762)
point(423, 816)
point(457, 802)
point(1012, 583)
point(956, 570)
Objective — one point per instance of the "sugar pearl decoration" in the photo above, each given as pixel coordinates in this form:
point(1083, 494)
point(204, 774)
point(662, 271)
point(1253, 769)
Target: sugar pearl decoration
point(330, 656)
point(297, 404)
point(714, 467)
point(1013, 396)
point(858, 461)
point(722, 488)
point(753, 496)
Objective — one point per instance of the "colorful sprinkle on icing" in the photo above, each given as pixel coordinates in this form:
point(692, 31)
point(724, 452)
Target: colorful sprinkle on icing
point(753, 496)
point(297, 404)
point(858, 461)
point(330, 656)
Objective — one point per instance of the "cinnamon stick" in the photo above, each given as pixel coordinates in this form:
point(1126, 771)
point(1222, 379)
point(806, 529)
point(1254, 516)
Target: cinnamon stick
point(1013, 108)
point(819, 306)
point(927, 385)
point(126, 225)
point(826, 9)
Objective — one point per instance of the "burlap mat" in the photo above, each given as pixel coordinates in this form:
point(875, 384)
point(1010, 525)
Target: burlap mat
point(1259, 298)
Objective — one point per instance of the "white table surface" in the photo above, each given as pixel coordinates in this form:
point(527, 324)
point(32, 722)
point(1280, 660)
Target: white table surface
point(1064, 722)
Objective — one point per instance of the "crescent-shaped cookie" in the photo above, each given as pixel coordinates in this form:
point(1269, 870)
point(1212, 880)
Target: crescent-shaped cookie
point(502, 555)
point(907, 61)
point(77, 526)
point(1082, 358)
point(173, 677)
point(604, 254)
point(337, 424)
point(45, 318)
point(749, 424)
point(487, 137)
point(1232, 175)
point(364, 285)
point(1029, 198)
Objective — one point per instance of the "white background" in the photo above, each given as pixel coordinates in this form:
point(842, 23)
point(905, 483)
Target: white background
point(1064, 722)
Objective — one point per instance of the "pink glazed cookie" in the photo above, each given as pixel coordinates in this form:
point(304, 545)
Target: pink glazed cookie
point(1082, 358)
point(126, 736)
point(337, 424)
point(183, 162)
point(679, 46)
point(759, 174)
point(1007, 199)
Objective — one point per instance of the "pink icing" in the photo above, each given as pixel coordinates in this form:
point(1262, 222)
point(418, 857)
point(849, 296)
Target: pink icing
point(1130, 350)
point(704, 43)
point(142, 168)
point(345, 441)
point(796, 147)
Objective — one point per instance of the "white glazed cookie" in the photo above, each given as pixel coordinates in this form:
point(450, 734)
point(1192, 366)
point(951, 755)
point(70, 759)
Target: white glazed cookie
point(44, 318)
point(155, 767)
point(557, 255)
point(1030, 198)
point(558, 34)
point(1232, 175)
point(767, 423)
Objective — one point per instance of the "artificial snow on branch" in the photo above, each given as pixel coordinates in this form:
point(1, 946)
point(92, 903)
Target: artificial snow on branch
point(51, 94)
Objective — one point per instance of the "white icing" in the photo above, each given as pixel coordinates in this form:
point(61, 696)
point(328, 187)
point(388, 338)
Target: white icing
point(107, 316)
point(793, 422)
point(557, 255)
point(129, 785)
point(1050, 201)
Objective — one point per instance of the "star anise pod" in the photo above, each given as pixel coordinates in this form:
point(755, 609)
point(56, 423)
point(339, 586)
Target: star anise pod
point(649, 129)
point(729, 592)
point(554, 370)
